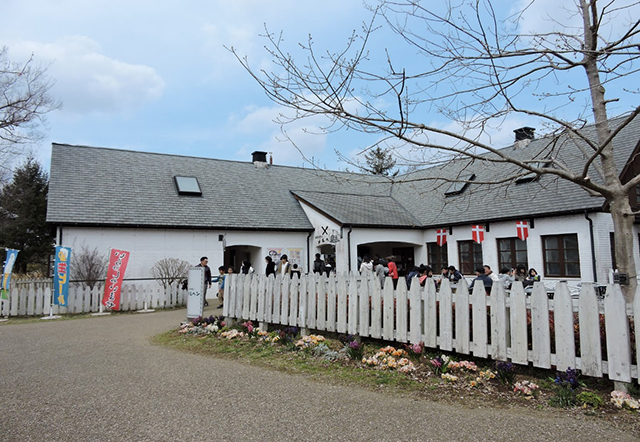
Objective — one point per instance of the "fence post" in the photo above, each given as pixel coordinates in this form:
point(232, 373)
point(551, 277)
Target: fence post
point(461, 298)
point(563, 324)
point(617, 331)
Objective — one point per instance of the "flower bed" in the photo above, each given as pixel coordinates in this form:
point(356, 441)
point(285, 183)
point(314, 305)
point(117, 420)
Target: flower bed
point(439, 374)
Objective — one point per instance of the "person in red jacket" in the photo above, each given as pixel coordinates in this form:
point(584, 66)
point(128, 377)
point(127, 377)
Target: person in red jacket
point(393, 270)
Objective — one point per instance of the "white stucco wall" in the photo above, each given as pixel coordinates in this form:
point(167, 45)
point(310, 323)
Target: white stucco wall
point(147, 246)
point(572, 224)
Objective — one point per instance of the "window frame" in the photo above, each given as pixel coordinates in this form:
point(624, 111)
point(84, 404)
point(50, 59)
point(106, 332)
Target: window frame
point(442, 254)
point(514, 252)
point(468, 267)
point(562, 255)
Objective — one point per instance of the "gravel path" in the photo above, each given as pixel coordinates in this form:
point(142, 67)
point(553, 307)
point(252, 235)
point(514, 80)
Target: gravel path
point(99, 379)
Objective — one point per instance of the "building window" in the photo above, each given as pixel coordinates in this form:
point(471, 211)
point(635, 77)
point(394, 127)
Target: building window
point(561, 255)
point(511, 252)
point(469, 256)
point(187, 185)
point(437, 256)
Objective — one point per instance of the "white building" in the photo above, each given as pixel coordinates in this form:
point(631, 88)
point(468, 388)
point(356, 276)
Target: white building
point(158, 206)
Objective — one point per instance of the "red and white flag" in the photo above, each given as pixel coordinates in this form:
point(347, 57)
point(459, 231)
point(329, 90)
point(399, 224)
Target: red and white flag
point(118, 260)
point(477, 233)
point(522, 229)
point(441, 237)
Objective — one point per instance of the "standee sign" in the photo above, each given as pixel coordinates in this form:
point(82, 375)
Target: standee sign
point(118, 260)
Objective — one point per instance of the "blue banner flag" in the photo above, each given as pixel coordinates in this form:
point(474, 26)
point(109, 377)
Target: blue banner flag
point(61, 276)
point(6, 274)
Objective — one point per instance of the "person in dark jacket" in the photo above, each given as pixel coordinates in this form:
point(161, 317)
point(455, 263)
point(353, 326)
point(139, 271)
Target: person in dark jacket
point(207, 278)
point(454, 274)
point(271, 266)
point(482, 278)
point(318, 264)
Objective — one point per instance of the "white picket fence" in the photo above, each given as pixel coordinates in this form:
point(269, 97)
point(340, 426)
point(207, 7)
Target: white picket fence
point(33, 297)
point(506, 326)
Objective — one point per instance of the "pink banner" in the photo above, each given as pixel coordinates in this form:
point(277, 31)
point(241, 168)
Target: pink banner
point(118, 260)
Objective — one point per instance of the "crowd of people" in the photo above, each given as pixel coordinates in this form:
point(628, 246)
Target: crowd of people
point(388, 267)
point(383, 268)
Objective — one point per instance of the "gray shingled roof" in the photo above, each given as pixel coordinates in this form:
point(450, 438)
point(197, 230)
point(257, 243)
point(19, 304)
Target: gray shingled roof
point(423, 193)
point(360, 210)
point(101, 186)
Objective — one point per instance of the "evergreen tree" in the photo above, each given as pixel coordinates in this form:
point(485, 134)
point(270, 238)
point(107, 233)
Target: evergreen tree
point(379, 162)
point(23, 210)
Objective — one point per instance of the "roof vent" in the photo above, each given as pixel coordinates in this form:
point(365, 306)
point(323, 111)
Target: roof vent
point(259, 158)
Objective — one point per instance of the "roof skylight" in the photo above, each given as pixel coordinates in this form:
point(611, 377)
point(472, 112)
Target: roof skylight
point(187, 185)
point(458, 187)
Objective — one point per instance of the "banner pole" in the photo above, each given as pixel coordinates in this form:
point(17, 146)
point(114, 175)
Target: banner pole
point(101, 312)
point(6, 317)
point(51, 315)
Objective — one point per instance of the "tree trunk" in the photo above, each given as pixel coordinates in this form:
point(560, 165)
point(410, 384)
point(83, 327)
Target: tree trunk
point(618, 199)
point(624, 239)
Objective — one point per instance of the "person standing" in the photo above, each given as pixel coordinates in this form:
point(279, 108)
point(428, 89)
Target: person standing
point(393, 270)
point(284, 267)
point(246, 268)
point(271, 266)
point(204, 261)
point(381, 271)
point(318, 264)
point(367, 265)
point(221, 279)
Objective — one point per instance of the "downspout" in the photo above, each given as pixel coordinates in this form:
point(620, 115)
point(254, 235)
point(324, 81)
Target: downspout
point(309, 251)
point(593, 246)
point(349, 246)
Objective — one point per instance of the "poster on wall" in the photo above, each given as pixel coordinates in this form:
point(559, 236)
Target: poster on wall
point(294, 255)
point(118, 260)
point(61, 276)
point(6, 274)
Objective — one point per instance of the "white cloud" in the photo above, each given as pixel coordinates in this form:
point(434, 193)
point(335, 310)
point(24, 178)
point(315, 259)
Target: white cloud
point(88, 81)
point(300, 138)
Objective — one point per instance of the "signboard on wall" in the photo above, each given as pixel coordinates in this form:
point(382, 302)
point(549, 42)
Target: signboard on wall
point(195, 289)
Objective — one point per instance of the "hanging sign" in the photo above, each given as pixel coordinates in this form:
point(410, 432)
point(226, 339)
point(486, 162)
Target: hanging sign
point(118, 260)
point(6, 274)
point(61, 276)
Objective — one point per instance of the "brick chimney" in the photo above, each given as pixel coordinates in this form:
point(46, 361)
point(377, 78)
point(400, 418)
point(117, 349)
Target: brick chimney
point(259, 158)
point(524, 135)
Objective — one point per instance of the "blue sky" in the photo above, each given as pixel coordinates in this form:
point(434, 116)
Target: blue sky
point(155, 76)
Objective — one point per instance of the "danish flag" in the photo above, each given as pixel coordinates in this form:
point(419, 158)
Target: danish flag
point(441, 236)
point(522, 229)
point(477, 233)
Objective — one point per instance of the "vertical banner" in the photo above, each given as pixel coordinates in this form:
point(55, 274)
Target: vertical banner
point(118, 260)
point(61, 276)
point(6, 274)
point(477, 233)
point(441, 237)
point(522, 230)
